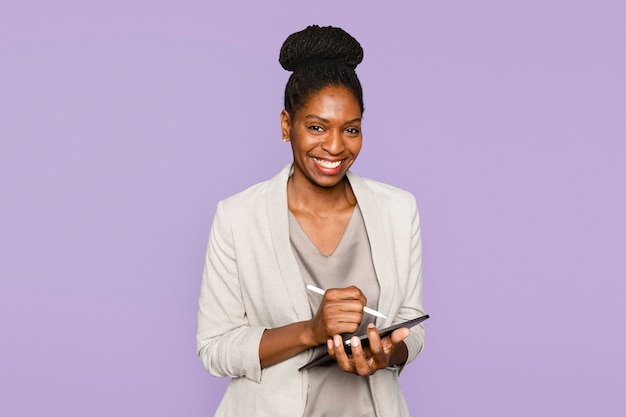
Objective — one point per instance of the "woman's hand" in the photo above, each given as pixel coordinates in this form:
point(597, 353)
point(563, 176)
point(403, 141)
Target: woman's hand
point(341, 311)
point(381, 353)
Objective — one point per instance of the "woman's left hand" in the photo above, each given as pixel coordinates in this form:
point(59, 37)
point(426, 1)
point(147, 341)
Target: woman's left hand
point(380, 354)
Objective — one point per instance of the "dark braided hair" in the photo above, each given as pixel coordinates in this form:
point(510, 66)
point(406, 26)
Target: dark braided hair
point(320, 57)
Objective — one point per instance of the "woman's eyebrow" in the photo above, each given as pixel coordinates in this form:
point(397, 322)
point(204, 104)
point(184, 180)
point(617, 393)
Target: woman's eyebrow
point(313, 116)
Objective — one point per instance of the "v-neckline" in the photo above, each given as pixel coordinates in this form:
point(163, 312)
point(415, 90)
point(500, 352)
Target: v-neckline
point(339, 243)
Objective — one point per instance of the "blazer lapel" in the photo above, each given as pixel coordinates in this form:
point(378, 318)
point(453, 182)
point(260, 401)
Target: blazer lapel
point(278, 218)
point(382, 255)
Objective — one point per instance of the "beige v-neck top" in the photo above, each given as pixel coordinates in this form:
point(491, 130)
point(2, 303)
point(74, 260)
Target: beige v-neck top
point(331, 391)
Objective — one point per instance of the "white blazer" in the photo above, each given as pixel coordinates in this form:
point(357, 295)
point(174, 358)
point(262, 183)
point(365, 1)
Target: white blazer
point(252, 282)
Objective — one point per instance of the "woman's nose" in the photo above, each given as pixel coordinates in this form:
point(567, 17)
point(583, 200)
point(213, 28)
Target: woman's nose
point(333, 143)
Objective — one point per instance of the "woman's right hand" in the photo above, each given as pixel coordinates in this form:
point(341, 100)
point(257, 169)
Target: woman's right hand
point(341, 311)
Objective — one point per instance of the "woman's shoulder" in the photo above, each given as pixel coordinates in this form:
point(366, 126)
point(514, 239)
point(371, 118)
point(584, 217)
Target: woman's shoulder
point(396, 206)
point(380, 191)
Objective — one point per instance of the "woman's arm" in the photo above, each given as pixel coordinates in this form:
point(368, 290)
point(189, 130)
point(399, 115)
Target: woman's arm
point(341, 311)
point(227, 343)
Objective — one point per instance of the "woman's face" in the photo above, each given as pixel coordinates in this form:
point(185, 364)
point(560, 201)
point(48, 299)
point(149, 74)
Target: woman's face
point(325, 136)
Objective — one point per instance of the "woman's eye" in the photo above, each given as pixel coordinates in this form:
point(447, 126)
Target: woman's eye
point(352, 130)
point(316, 128)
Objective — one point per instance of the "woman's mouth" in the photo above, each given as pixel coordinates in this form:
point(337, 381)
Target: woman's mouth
point(328, 164)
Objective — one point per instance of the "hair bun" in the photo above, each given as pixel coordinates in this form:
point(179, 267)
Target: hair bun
point(320, 44)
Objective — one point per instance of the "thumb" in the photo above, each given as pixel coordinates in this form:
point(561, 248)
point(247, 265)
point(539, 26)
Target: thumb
point(399, 335)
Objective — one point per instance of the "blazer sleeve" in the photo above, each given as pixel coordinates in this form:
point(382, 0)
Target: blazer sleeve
point(413, 305)
point(227, 344)
point(408, 257)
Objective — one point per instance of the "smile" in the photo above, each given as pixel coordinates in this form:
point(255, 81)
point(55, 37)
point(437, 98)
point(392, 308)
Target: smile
point(328, 164)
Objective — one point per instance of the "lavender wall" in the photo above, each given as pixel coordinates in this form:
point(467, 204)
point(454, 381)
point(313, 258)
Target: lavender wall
point(122, 123)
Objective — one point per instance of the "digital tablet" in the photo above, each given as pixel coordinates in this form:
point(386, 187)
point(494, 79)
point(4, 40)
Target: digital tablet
point(325, 358)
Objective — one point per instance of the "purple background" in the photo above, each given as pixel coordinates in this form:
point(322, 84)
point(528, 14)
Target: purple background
point(122, 123)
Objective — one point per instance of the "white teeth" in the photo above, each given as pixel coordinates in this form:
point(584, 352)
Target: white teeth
point(328, 164)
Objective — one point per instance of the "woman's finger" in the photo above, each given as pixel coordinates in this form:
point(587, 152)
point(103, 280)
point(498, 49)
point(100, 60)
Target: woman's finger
point(343, 361)
point(362, 365)
point(379, 355)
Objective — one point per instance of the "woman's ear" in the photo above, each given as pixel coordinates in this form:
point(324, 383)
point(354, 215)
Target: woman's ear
point(285, 125)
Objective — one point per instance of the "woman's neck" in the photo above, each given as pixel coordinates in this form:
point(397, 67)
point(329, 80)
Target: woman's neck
point(307, 198)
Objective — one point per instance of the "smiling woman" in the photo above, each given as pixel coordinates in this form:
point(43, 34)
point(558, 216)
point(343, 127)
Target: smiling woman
point(326, 137)
point(315, 223)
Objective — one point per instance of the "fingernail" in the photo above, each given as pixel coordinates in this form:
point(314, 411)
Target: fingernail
point(329, 343)
point(371, 326)
point(337, 340)
point(355, 341)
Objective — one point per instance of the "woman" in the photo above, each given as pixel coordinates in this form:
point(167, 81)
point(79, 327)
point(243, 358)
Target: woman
point(315, 223)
